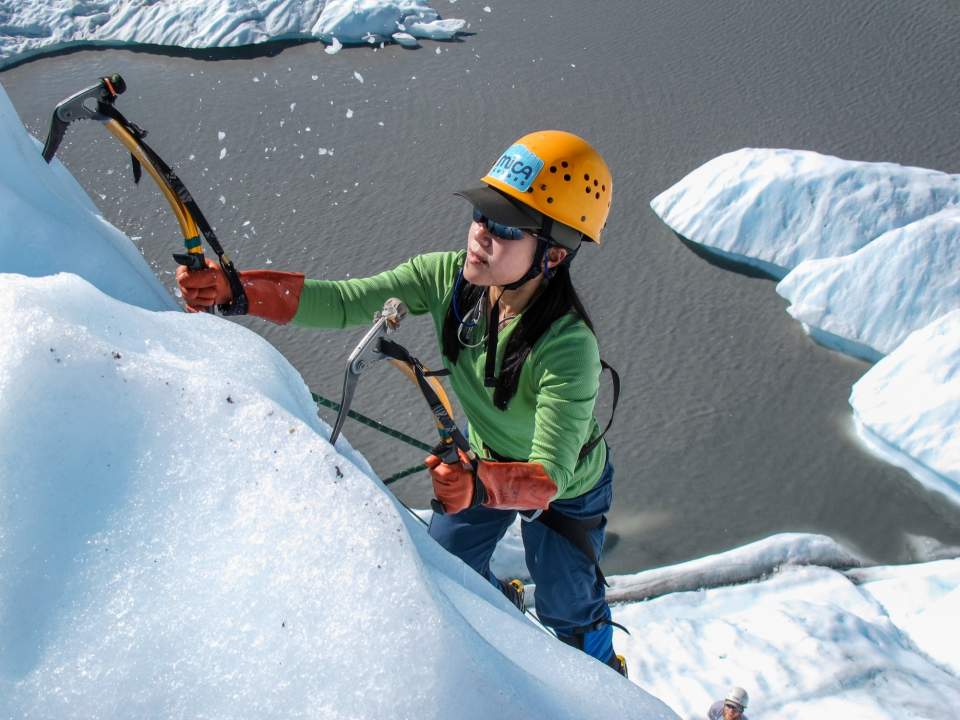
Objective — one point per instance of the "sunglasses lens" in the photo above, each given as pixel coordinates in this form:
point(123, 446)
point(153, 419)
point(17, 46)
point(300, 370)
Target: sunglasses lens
point(504, 232)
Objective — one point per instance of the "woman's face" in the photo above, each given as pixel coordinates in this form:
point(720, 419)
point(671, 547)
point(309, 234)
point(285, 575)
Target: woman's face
point(492, 261)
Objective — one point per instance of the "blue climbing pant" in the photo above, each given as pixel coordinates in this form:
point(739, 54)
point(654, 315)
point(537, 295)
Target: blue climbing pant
point(569, 597)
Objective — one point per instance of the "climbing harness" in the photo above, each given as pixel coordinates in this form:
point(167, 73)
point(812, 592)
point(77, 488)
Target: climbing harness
point(96, 103)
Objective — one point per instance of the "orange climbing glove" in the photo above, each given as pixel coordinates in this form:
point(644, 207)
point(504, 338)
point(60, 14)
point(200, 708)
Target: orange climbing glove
point(502, 485)
point(272, 295)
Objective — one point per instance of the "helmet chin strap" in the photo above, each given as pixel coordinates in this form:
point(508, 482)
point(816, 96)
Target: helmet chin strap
point(539, 263)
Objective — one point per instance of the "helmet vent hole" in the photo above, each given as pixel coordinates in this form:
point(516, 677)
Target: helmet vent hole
point(587, 189)
point(542, 186)
point(553, 168)
point(598, 196)
point(567, 177)
point(564, 163)
point(586, 177)
point(549, 199)
point(603, 187)
point(583, 218)
point(595, 183)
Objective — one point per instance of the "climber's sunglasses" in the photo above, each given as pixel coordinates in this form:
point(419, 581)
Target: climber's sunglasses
point(504, 232)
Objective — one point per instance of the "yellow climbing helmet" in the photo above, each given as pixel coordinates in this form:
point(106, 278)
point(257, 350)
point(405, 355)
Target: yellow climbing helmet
point(560, 175)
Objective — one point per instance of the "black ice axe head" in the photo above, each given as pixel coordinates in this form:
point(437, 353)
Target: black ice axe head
point(84, 105)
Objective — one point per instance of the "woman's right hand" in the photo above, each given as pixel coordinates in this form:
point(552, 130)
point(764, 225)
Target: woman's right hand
point(203, 288)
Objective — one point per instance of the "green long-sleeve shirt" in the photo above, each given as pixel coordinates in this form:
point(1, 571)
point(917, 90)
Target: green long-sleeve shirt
point(549, 419)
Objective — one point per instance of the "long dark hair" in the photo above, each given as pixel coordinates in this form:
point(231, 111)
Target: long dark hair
point(554, 301)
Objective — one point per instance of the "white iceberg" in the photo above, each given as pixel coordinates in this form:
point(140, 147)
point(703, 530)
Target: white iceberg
point(771, 209)
point(907, 407)
point(33, 27)
point(868, 302)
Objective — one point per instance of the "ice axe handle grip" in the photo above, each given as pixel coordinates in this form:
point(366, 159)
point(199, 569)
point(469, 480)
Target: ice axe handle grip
point(191, 261)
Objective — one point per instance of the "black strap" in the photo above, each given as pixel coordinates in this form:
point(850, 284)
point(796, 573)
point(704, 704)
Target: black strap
point(575, 530)
point(615, 378)
point(449, 427)
point(493, 332)
point(575, 638)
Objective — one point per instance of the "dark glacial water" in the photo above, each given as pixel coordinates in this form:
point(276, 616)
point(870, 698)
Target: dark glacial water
point(733, 424)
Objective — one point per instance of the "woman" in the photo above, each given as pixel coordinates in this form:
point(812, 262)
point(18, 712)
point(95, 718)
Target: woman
point(523, 361)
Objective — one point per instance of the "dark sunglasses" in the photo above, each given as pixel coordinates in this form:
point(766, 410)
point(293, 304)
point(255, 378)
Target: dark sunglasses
point(504, 232)
point(735, 708)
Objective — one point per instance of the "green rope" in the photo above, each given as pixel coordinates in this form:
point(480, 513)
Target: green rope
point(369, 422)
point(403, 473)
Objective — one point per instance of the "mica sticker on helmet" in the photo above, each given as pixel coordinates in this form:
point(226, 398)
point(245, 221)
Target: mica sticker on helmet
point(517, 167)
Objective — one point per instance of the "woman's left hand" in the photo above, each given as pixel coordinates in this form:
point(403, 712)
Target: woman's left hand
point(503, 485)
point(452, 484)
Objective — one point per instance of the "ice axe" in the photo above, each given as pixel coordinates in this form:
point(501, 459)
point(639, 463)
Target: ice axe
point(97, 103)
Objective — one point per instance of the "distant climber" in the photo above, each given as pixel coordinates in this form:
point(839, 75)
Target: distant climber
point(731, 707)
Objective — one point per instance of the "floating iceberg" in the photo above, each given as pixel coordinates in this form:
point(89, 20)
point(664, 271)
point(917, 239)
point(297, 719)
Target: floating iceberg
point(907, 407)
point(33, 27)
point(868, 302)
point(772, 209)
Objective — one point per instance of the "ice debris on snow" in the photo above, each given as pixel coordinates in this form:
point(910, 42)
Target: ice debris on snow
point(221, 135)
point(349, 113)
point(223, 153)
point(33, 27)
point(405, 40)
point(358, 77)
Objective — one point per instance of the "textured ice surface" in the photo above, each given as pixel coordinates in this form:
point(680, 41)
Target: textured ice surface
point(774, 208)
point(178, 539)
point(875, 297)
point(907, 407)
point(31, 27)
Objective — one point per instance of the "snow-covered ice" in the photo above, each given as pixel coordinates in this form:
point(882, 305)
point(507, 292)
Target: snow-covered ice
point(33, 27)
point(807, 642)
point(774, 208)
point(907, 407)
